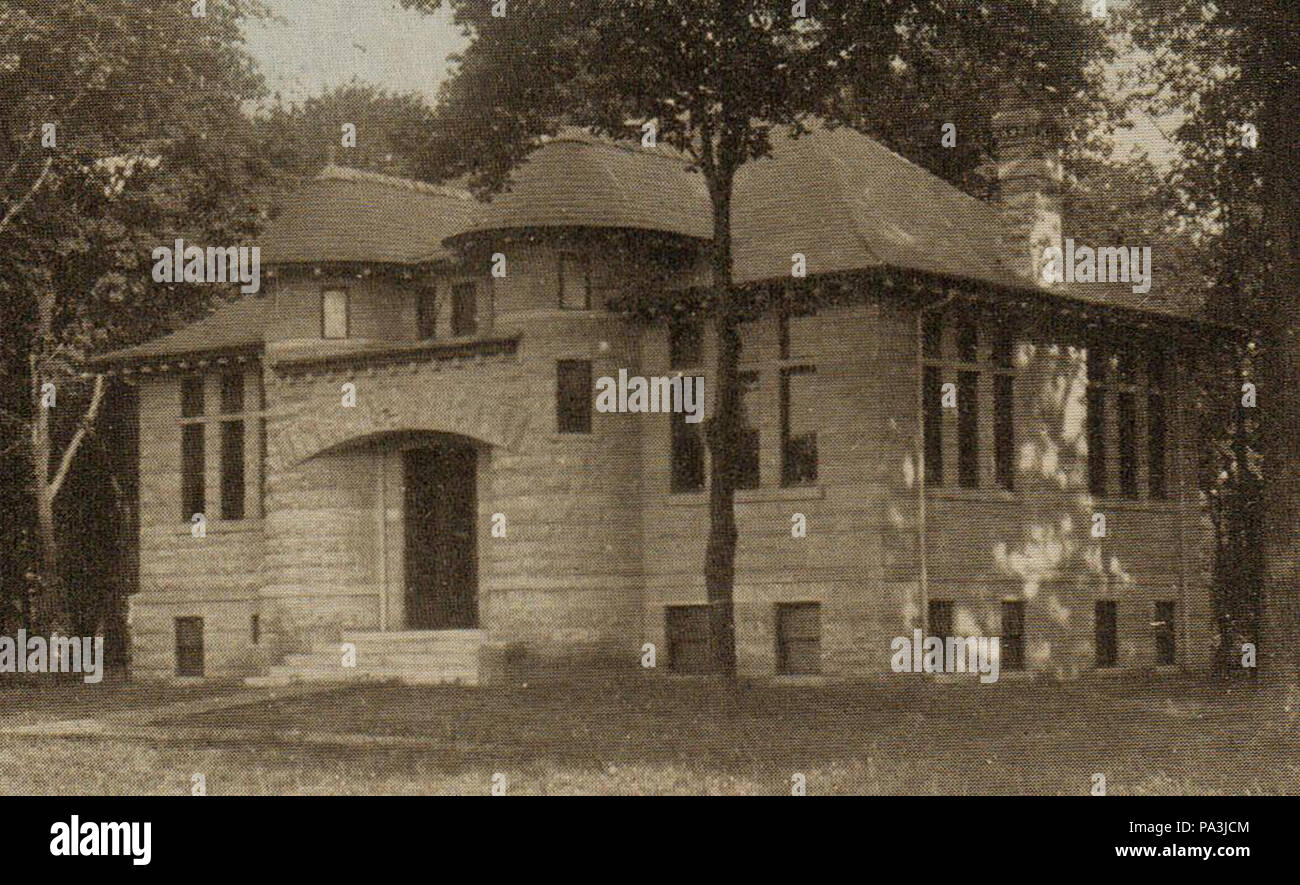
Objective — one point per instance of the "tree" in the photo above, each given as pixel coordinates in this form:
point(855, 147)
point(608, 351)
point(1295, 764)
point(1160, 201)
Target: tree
point(390, 130)
point(718, 80)
point(1231, 67)
point(120, 130)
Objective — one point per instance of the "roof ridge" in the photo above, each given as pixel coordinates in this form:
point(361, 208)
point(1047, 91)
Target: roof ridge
point(335, 172)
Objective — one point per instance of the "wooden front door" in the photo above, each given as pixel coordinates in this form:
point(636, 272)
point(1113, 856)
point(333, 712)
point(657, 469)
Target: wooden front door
point(441, 555)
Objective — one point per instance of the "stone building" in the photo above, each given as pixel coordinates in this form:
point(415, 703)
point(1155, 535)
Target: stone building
point(393, 444)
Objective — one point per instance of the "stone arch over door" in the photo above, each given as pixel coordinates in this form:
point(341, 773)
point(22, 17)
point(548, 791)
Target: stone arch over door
point(311, 429)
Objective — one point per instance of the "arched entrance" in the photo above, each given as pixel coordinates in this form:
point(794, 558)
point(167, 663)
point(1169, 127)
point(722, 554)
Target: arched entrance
point(441, 548)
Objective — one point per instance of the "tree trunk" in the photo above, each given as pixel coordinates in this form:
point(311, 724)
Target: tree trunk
point(723, 435)
point(1280, 373)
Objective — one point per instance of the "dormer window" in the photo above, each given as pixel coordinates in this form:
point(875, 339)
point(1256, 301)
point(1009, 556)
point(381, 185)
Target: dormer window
point(334, 313)
point(575, 282)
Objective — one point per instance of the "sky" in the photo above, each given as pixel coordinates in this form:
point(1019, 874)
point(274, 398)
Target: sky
point(319, 44)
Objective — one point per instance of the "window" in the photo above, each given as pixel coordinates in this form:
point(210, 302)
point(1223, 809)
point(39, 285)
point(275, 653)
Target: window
point(939, 618)
point(232, 469)
point(189, 646)
point(968, 340)
point(254, 629)
point(426, 313)
point(687, 454)
point(1013, 635)
point(685, 344)
point(1096, 423)
point(798, 637)
point(932, 336)
point(1126, 403)
point(334, 313)
point(966, 365)
point(1166, 650)
point(686, 627)
point(464, 309)
point(968, 430)
point(933, 419)
point(192, 396)
point(1107, 637)
point(1004, 430)
point(573, 396)
point(192, 474)
point(1156, 428)
point(232, 393)
point(1114, 386)
point(747, 465)
point(575, 284)
point(798, 426)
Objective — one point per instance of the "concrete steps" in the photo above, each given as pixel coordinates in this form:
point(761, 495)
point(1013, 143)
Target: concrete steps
point(416, 657)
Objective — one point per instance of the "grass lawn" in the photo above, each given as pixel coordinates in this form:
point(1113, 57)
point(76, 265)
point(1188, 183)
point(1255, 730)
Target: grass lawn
point(659, 735)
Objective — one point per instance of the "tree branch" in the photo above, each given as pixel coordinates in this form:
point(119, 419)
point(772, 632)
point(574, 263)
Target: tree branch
point(92, 412)
point(27, 197)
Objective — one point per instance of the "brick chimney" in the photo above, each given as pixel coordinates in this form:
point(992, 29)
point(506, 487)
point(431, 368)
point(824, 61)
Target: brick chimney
point(1027, 163)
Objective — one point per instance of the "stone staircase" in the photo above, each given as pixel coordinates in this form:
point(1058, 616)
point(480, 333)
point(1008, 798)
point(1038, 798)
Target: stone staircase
point(416, 657)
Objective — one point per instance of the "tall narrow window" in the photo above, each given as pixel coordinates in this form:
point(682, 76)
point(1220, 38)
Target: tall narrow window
point(573, 396)
point(1156, 428)
point(575, 283)
point(1126, 408)
point(932, 336)
point(192, 478)
point(232, 393)
point(426, 312)
point(685, 344)
point(1096, 423)
point(798, 426)
point(1013, 635)
point(464, 309)
point(968, 435)
point(334, 313)
point(189, 646)
point(687, 454)
point(232, 469)
point(932, 382)
point(1105, 624)
point(192, 396)
point(939, 618)
point(747, 463)
point(968, 339)
point(1166, 650)
point(1004, 430)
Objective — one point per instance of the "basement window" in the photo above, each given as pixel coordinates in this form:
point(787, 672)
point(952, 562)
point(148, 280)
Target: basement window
point(686, 627)
point(798, 638)
point(189, 646)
